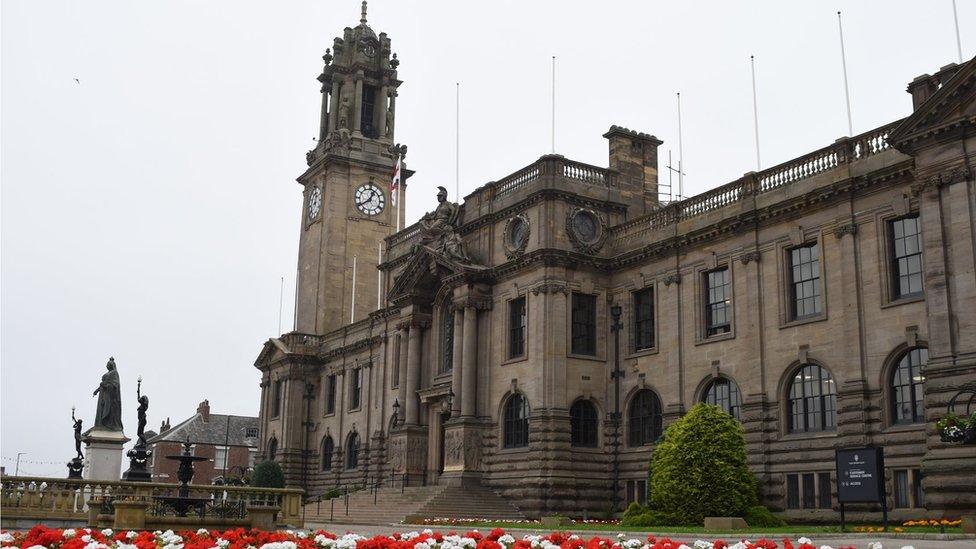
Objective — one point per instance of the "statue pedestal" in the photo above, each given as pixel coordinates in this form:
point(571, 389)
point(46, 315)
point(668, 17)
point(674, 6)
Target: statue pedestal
point(138, 465)
point(103, 454)
point(462, 452)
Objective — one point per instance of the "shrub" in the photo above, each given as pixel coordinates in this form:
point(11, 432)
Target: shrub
point(759, 517)
point(700, 468)
point(268, 474)
point(646, 517)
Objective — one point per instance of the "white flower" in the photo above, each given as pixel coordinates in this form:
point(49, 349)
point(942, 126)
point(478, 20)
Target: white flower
point(96, 545)
point(222, 543)
point(739, 545)
point(826, 547)
point(37, 547)
point(121, 545)
point(507, 539)
point(421, 545)
point(6, 537)
point(131, 534)
point(702, 544)
point(202, 532)
point(683, 546)
point(907, 547)
point(301, 534)
point(428, 531)
point(107, 532)
point(874, 545)
point(86, 538)
point(68, 534)
point(804, 540)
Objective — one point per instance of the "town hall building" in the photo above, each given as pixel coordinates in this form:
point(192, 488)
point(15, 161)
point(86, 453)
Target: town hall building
point(826, 302)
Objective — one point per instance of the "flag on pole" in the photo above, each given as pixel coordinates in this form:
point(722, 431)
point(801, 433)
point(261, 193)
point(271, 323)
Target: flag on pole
point(395, 183)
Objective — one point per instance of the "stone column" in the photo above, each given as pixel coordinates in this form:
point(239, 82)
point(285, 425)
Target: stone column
point(324, 118)
point(457, 362)
point(412, 381)
point(393, 96)
point(334, 106)
point(469, 364)
point(358, 105)
point(381, 123)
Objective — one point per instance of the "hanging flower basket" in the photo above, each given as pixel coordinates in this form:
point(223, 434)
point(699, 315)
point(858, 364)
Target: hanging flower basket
point(955, 428)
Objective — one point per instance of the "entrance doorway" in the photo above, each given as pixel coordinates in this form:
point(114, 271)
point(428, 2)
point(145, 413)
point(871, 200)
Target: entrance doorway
point(440, 458)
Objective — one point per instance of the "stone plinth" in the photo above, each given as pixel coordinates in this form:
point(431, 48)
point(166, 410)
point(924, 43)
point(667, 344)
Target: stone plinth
point(462, 452)
point(408, 450)
point(103, 454)
point(130, 514)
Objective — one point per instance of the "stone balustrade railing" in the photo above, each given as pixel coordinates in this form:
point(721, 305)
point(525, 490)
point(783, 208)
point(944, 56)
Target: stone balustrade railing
point(58, 499)
point(842, 152)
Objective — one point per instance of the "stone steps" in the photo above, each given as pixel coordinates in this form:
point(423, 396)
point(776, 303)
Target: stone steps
point(413, 504)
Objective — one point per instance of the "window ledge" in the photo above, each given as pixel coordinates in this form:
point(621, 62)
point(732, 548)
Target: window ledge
point(515, 360)
point(904, 427)
point(714, 338)
point(443, 376)
point(586, 357)
point(812, 435)
point(510, 451)
point(904, 300)
point(642, 352)
point(805, 320)
point(329, 414)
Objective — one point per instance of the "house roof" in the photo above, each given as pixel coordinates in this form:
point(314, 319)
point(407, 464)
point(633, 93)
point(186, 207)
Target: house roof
point(219, 430)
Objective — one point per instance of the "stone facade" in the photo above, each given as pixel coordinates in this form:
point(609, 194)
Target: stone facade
point(422, 384)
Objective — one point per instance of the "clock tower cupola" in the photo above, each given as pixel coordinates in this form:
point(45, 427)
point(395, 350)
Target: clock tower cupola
point(347, 208)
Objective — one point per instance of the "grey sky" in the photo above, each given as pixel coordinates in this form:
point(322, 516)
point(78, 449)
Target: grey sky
point(149, 211)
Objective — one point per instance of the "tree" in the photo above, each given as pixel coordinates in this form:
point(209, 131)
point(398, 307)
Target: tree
point(268, 474)
point(699, 469)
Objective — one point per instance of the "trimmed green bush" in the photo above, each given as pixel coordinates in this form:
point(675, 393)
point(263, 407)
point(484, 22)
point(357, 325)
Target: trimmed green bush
point(268, 474)
point(645, 517)
point(760, 517)
point(700, 468)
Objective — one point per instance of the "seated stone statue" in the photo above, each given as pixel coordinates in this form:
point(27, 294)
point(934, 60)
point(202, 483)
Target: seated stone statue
point(438, 229)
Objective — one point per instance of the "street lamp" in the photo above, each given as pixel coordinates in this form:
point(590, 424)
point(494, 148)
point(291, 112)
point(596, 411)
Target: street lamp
point(615, 312)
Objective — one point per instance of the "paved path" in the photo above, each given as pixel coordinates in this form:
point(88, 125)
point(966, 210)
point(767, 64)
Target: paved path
point(833, 540)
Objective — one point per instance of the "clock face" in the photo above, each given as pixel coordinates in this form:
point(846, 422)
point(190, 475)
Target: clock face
point(585, 226)
point(370, 199)
point(369, 50)
point(314, 203)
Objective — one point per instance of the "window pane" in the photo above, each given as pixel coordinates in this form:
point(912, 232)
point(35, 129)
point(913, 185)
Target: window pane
point(724, 393)
point(584, 324)
point(809, 491)
point(516, 326)
point(824, 488)
point(805, 282)
point(792, 492)
point(583, 424)
point(907, 383)
point(901, 489)
point(812, 403)
point(643, 319)
point(906, 261)
point(644, 418)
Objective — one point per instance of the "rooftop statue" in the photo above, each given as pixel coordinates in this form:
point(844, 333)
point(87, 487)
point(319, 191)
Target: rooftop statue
point(108, 413)
point(439, 229)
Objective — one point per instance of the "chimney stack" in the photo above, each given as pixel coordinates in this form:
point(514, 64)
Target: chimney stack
point(634, 156)
point(926, 85)
point(164, 426)
point(204, 410)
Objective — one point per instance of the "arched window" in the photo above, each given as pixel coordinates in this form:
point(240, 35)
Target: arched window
point(644, 418)
point(582, 420)
point(272, 448)
point(906, 387)
point(516, 422)
point(724, 393)
point(327, 449)
point(812, 400)
point(352, 451)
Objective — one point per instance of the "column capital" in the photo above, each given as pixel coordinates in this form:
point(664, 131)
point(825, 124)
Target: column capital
point(845, 229)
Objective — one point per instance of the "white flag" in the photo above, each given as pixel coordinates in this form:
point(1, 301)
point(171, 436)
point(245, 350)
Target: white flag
point(395, 184)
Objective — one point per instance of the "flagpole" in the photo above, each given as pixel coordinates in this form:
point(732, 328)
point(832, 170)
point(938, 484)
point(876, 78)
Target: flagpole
point(553, 104)
point(843, 61)
point(955, 17)
point(755, 109)
point(457, 141)
point(352, 311)
point(681, 155)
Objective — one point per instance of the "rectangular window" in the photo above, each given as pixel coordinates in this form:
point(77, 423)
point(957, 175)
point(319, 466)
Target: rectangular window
point(368, 108)
point(805, 281)
point(906, 264)
point(718, 304)
point(220, 457)
point(584, 324)
point(330, 394)
point(250, 432)
point(276, 398)
point(395, 374)
point(901, 489)
point(642, 492)
point(792, 491)
point(355, 388)
point(823, 489)
point(809, 491)
point(918, 491)
point(644, 319)
point(630, 492)
point(516, 328)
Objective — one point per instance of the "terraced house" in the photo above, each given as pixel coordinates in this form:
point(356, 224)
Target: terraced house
point(826, 302)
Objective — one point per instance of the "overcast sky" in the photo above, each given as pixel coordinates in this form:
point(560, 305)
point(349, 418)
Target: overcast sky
point(150, 209)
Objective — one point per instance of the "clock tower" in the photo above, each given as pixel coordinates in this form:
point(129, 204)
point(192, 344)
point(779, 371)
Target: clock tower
point(347, 208)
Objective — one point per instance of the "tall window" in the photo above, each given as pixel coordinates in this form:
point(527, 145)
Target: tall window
point(328, 448)
point(516, 328)
point(906, 387)
point(395, 375)
point(718, 305)
point(724, 393)
point(330, 394)
point(812, 400)
point(584, 324)
point(644, 319)
point(516, 423)
point(276, 398)
point(906, 268)
point(367, 123)
point(644, 418)
point(582, 420)
point(220, 458)
point(352, 451)
point(447, 350)
point(355, 388)
point(805, 281)
point(792, 491)
point(272, 448)
point(824, 487)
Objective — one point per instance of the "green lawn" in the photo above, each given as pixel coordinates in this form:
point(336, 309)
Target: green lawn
point(799, 529)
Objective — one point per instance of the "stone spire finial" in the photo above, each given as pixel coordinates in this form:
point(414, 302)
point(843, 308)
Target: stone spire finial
point(363, 19)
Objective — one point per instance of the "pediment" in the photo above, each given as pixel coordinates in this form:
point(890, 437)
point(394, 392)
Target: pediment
point(951, 104)
point(424, 273)
point(273, 350)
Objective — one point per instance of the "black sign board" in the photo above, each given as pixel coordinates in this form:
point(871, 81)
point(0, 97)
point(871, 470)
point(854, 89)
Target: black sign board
point(860, 475)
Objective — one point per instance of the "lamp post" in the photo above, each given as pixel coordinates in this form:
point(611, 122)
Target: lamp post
point(615, 312)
